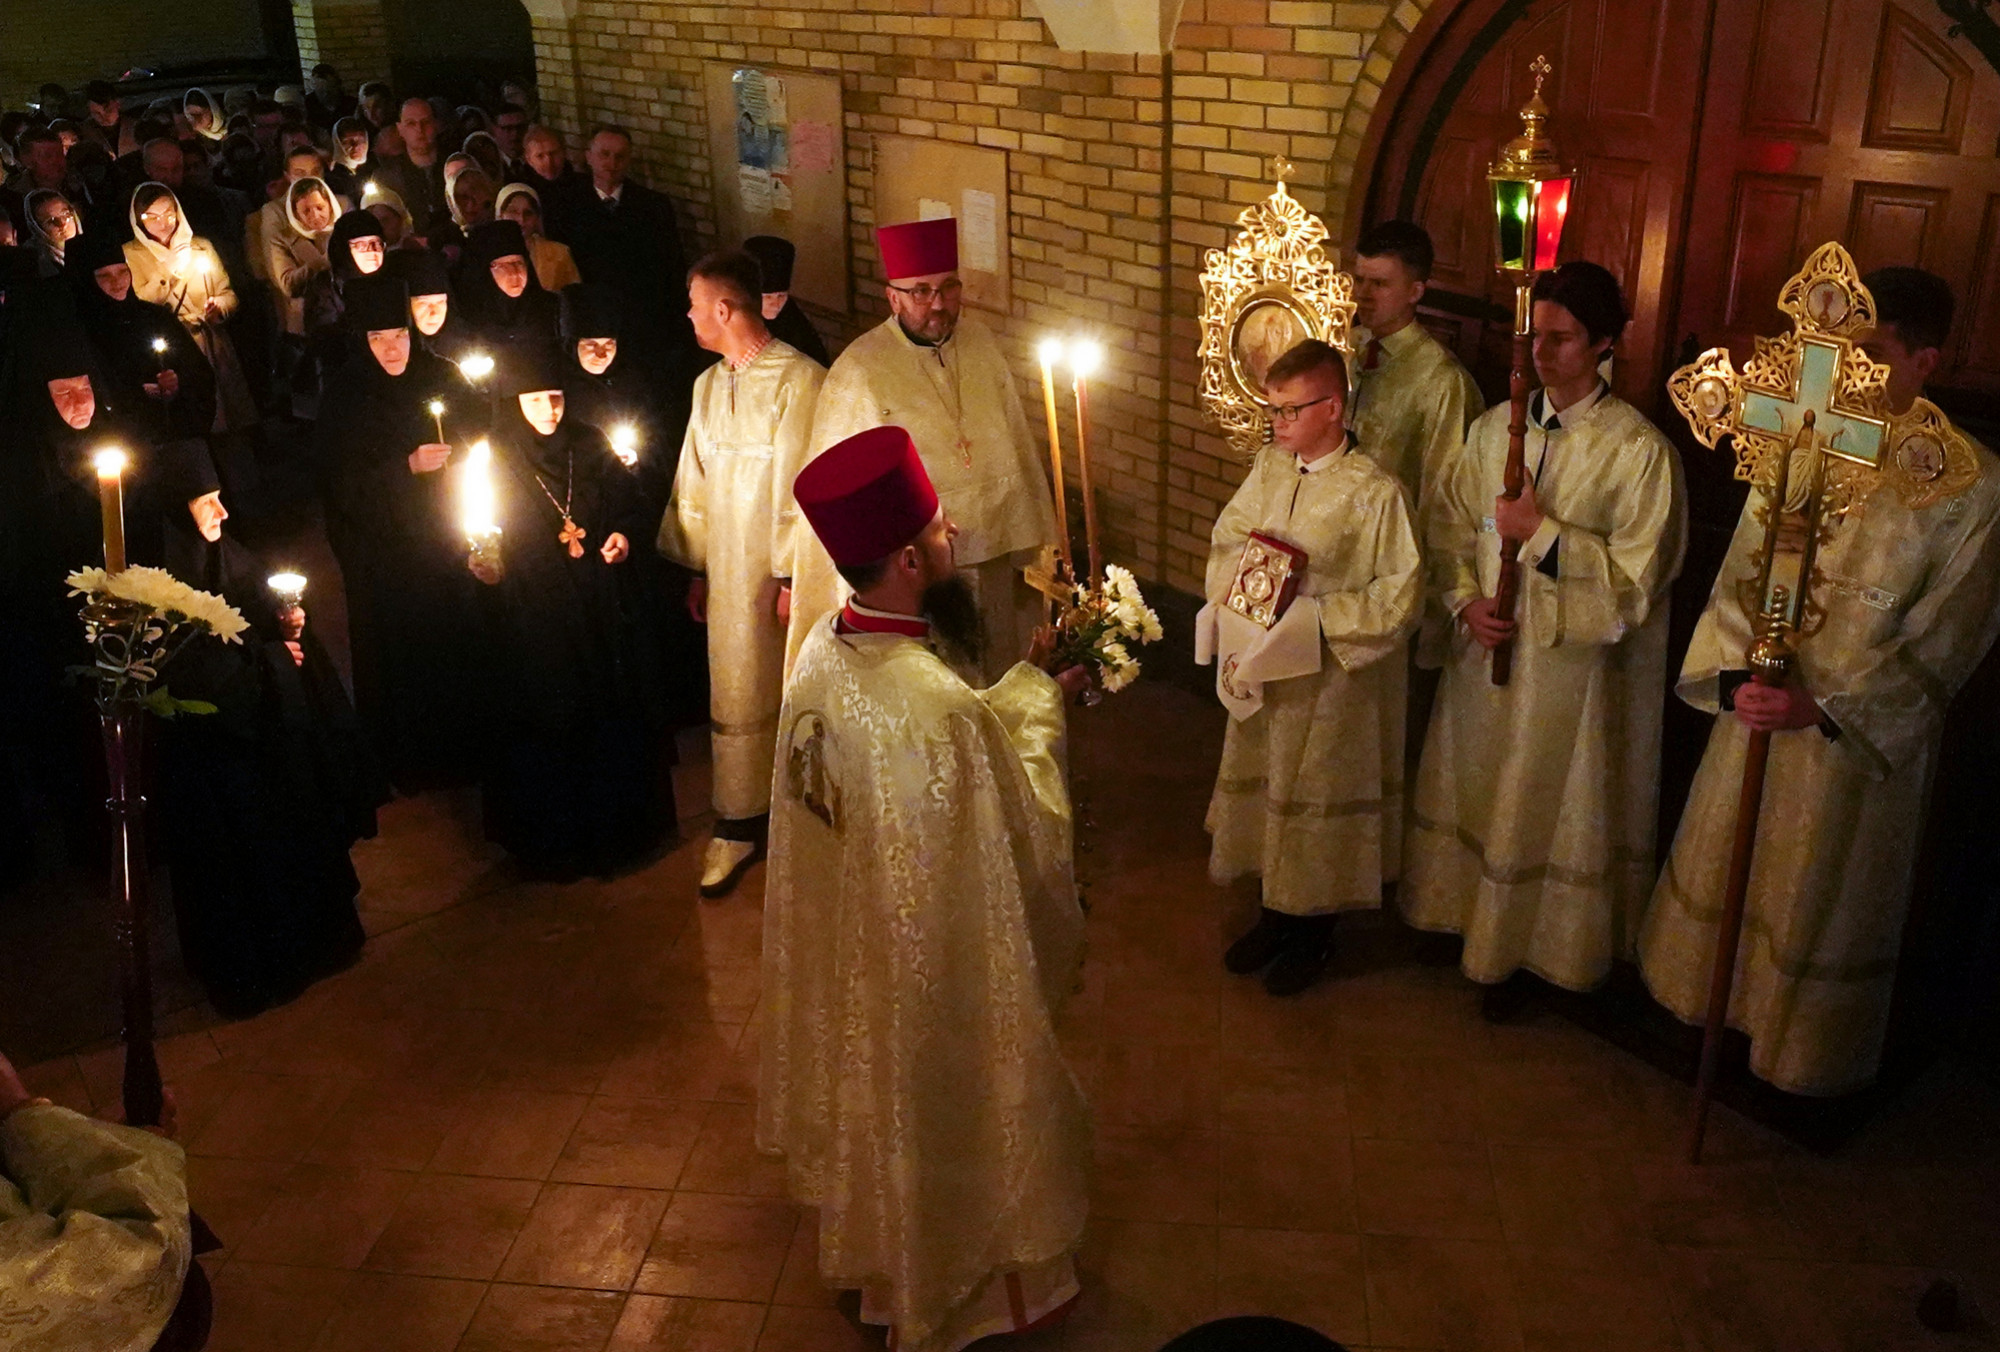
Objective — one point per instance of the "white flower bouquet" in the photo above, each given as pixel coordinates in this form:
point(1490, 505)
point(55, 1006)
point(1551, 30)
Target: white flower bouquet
point(136, 621)
point(1100, 628)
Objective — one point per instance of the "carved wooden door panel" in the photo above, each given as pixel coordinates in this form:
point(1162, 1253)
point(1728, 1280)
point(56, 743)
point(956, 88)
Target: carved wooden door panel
point(1862, 121)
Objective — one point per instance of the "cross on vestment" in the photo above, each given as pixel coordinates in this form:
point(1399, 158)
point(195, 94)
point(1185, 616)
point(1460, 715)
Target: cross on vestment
point(964, 444)
point(571, 535)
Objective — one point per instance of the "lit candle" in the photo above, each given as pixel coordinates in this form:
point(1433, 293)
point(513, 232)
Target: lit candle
point(1050, 352)
point(476, 366)
point(289, 588)
point(159, 347)
point(110, 466)
point(625, 444)
point(476, 503)
point(1085, 357)
point(436, 406)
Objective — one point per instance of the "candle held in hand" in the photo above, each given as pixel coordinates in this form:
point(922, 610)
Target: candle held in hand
point(436, 407)
point(289, 588)
point(625, 444)
point(110, 466)
point(476, 366)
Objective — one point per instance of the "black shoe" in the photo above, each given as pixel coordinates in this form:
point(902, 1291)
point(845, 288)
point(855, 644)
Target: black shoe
point(1305, 958)
point(1510, 999)
point(1266, 939)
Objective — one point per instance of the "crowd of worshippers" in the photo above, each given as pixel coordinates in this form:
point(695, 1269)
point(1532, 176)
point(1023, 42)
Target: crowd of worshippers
point(298, 310)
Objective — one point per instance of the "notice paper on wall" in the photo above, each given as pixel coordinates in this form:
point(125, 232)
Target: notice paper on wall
point(979, 231)
point(930, 209)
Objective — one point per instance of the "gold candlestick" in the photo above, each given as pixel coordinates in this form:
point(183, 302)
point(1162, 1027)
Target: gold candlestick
point(110, 465)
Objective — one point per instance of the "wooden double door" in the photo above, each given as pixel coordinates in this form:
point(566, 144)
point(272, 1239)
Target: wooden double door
point(1721, 141)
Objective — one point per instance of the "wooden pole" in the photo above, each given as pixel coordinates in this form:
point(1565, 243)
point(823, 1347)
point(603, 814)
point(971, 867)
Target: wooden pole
point(1508, 589)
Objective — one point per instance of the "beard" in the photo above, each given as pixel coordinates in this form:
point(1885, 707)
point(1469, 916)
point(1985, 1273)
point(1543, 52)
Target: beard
point(953, 612)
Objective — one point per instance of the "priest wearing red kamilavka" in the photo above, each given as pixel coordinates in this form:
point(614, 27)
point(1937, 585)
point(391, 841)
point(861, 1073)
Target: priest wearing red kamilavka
point(937, 371)
point(921, 930)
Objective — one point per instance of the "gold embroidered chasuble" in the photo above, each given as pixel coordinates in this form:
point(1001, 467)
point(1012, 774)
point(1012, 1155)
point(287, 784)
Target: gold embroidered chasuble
point(94, 1239)
point(1912, 603)
point(1412, 411)
point(1309, 795)
point(921, 929)
point(1532, 823)
point(733, 519)
point(960, 404)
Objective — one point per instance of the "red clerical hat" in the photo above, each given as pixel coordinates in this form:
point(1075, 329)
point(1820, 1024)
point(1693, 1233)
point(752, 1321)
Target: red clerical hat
point(867, 496)
point(918, 248)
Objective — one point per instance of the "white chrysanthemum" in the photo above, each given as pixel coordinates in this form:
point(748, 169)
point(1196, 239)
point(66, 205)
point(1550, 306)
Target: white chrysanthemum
point(1149, 628)
point(1119, 583)
point(164, 594)
point(1113, 653)
point(1115, 676)
point(86, 581)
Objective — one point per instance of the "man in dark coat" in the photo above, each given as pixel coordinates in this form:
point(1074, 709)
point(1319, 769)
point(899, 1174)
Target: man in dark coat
point(626, 236)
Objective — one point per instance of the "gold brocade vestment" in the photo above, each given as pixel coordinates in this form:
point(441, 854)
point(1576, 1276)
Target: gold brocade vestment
point(1912, 604)
point(733, 519)
point(1309, 795)
point(959, 402)
point(921, 929)
point(94, 1241)
point(1412, 410)
point(1532, 824)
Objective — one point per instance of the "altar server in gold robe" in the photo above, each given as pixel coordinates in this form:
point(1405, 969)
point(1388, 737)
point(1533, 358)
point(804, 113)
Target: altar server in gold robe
point(732, 522)
point(921, 929)
point(1912, 603)
point(1531, 828)
point(1309, 796)
point(1413, 400)
point(940, 373)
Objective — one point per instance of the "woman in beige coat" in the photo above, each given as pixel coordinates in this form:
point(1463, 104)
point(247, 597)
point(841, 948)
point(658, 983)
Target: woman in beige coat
point(295, 257)
point(174, 267)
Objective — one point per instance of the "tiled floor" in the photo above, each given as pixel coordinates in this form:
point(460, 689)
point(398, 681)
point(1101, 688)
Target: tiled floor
point(522, 1124)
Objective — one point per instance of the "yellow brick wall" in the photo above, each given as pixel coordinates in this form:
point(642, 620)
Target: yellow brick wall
point(350, 34)
point(1120, 174)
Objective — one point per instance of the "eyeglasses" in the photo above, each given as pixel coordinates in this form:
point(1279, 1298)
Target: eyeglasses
point(925, 294)
point(1290, 412)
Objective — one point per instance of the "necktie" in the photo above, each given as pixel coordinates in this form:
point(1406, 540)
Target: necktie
point(1371, 355)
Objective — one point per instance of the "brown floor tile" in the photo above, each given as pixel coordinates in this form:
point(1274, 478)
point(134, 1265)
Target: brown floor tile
point(1298, 1029)
point(1733, 1302)
point(509, 1133)
point(725, 1159)
point(691, 1059)
point(270, 1117)
point(1142, 1283)
point(719, 1248)
point(1715, 1206)
point(542, 1319)
point(450, 1225)
point(1847, 1212)
point(1411, 1099)
point(790, 1329)
point(1585, 1300)
point(232, 1195)
point(1426, 1189)
point(1440, 1293)
point(1315, 1280)
point(325, 1215)
point(630, 1143)
point(390, 1124)
point(1266, 1094)
point(584, 1236)
point(673, 1324)
point(1158, 1084)
point(1152, 1008)
point(1566, 1196)
point(799, 1283)
point(1545, 1101)
point(1155, 1174)
point(384, 1313)
point(61, 1082)
point(1286, 1182)
point(262, 1307)
point(1406, 1011)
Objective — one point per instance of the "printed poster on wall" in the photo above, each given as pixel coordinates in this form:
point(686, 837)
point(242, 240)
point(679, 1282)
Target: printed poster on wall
point(763, 148)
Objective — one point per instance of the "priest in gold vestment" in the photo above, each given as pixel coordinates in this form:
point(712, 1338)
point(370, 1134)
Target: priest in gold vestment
point(921, 928)
point(1531, 827)
point(94, 1231)
point(940, 374)
point(732, 522)
point(1912, 602)
point(1309, 796)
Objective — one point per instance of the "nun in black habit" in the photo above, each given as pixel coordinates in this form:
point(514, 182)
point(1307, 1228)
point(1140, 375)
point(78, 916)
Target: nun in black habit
point(392, 521)
point(263, 799)
point(783, 315)
point(438, 321)
point(154, 366)
point(577, 780)
point(505, 304)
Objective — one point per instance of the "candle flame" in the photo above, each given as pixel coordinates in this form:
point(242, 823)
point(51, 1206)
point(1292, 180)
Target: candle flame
point(625, 444)
point(1050, 352)
point(476, 492)
point(109, 462)
point(1085, 356)
point(159, 345)
point(476, 366)
point(436, 407)
point(290, 587)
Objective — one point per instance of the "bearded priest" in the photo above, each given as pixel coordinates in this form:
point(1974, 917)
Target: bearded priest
point(940, 373)
point(921, 929)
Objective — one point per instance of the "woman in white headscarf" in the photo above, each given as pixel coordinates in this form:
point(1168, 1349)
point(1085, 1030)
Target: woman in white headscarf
point(174, 267)
point(204, 115)
point(295, 257)
point(555, 268)
point(52, 222)
point(386, 205)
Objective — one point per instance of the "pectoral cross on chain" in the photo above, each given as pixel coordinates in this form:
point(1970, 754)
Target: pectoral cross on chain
point(571, 535)
point(964, 445)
